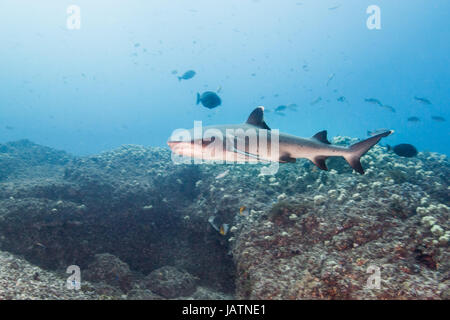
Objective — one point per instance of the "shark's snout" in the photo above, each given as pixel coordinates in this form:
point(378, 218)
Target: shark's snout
point(172, 144)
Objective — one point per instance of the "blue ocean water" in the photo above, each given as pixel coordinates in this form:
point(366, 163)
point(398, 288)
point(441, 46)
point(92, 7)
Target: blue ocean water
point(111, 82)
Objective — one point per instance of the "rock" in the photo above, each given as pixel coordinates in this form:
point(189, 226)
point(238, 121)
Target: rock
point(142, 294)
point(308, 235)
point(110, 270)
point(170, 282)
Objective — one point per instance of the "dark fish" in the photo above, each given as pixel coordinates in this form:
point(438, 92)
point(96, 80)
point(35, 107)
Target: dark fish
point(187, 75)
point(389, 108)
point(280, 108)
point(403, 150)
point(422, 100)
point(373, 101)
point(413, 119)
point(9, 128)
point(376, 132)
point(209, 99)
point(341, 99)
point(437, 118)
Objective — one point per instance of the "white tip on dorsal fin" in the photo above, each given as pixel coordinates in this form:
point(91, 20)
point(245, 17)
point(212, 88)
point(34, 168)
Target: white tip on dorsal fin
point(256, 118)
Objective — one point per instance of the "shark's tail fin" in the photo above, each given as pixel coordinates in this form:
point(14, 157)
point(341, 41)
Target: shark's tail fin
point(357, 150)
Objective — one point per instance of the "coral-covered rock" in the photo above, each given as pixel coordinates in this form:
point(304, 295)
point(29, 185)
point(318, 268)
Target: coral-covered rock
point(170, 282)
point(142, 294)
point(109, 269)
point(299, 234)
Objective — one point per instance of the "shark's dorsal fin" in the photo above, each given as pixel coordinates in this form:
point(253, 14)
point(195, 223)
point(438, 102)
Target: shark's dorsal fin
point(322, 137)
point(256, 118)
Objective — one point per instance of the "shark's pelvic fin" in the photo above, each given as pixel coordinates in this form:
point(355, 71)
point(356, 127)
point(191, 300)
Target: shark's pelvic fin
point(256, 118)
point(321, 136)
point(357, 150)
point(320, 162)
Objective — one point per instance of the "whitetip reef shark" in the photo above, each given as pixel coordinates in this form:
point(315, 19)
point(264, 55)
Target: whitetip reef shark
point(236, 142)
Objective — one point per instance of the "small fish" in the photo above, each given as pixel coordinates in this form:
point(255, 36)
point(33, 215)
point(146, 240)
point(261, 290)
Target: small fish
point(219, 89)
point(187, 75)
point(137, 44)
point(280, 114)
point(292, 107)
point(341, 99)
point(388, 107)
point(422, 100)
point(403, 150)
point(377, 131)
point(174, 72)
point(305, 68)
point(224, 229)
point(330, 77)
point(223, 174)
point(316, 101)
point(209, 99)
point(9, 128)
point(373, 101)
point(244, 211)
point(211, 222)
point(413, 119)
point(334, 8)
point(438, 118)
point(40, 245)
point(280, 108)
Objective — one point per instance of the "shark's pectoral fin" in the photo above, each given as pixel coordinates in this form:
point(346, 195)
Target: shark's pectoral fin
point(321, 136)
point(256, 118)
point(320, 162)
point(287, 158)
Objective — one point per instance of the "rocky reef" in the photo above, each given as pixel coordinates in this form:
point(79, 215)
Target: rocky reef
point(139, 226)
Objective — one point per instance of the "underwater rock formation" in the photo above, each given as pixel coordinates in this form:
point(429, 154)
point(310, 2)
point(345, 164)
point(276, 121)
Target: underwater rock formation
point(170, 282)
point(110, 270)
point(300, 234)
